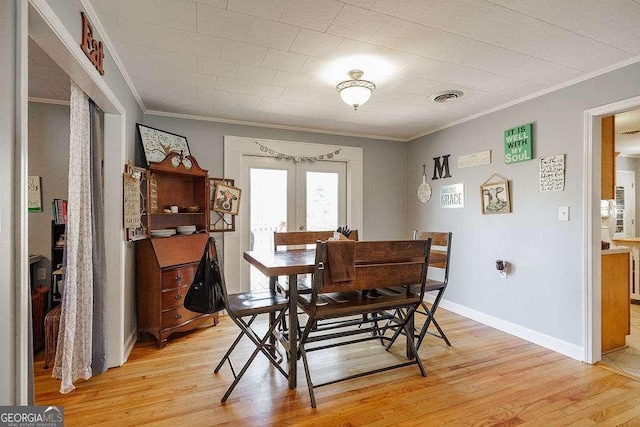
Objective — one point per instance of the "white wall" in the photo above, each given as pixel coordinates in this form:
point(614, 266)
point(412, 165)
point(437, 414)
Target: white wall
point(49, 159)
point(384, 164)
point(543, 296)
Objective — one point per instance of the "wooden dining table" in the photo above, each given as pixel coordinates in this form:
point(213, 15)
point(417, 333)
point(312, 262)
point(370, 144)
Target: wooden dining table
point(289, 263)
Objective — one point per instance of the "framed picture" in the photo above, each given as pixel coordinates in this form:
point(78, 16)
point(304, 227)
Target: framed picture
point(226, 198)
point(220, 221)
point(495, 197)
point(34, 194)
point(158, 143)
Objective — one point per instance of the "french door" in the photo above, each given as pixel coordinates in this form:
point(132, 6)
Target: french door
point(288, 196)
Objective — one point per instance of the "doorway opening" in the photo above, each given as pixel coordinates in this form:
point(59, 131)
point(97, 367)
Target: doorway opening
point(50, 34)
point(593, 263)
point(240, 152)
point(620, 299)
point(287, 196)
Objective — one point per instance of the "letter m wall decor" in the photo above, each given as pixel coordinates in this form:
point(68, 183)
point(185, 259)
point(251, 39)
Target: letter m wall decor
point(441, 167)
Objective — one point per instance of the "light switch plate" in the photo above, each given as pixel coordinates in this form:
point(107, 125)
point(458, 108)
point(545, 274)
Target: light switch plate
point(563, 213)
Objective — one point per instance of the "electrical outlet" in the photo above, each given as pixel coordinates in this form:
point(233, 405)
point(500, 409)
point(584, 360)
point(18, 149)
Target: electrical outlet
point(41, 273)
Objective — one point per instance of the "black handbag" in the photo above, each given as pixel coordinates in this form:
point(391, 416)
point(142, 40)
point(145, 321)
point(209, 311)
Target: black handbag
point(205, 293)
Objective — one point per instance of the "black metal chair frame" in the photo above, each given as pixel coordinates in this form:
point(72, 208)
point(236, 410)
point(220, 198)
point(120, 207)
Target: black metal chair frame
point(251, 305)
point(431, 285)
point(380, 309)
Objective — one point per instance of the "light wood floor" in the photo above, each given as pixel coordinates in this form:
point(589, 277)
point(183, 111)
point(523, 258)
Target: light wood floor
point(628, 359)
point(486, 378)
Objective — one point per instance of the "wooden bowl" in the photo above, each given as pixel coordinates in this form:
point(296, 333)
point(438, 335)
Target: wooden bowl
point(192, 209)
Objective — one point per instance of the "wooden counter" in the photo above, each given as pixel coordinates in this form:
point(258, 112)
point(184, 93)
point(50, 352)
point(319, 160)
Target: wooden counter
point(616, 270)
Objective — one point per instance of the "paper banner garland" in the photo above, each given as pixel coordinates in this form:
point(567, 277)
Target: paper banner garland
point(297, 159)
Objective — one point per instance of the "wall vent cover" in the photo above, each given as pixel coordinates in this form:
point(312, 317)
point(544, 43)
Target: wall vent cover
point(446, 95)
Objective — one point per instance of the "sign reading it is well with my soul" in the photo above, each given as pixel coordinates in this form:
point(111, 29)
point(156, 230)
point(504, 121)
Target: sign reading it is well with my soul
point(518, 144)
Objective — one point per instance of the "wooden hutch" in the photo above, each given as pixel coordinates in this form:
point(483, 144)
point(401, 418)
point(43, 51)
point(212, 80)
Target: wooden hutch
point(166, 266)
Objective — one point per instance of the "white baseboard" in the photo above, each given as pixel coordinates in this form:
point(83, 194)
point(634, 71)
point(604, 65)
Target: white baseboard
point(128, 346)
point(554, 344)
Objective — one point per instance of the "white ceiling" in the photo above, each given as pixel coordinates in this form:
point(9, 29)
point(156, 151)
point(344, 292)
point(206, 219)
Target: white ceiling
point(46, 79)
point(276, 62)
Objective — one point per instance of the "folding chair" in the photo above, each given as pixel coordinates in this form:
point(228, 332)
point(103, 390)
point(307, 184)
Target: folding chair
point(249, 305)
point(376, 265)
point(439, 259)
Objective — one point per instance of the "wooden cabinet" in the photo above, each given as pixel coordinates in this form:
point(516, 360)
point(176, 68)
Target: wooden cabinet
point(608, 177)
point(165, 267)
point(615, 300)
point(165, 270)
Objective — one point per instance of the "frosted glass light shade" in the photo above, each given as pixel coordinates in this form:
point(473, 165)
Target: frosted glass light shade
point(355, 92)
point(355, 95)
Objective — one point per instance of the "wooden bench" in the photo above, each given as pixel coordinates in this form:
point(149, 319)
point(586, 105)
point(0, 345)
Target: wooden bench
point(378, 265)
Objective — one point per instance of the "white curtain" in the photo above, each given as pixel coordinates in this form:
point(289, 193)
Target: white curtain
point(73, 355)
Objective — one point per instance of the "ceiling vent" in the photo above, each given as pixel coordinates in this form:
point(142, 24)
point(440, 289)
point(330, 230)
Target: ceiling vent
point(446, 95)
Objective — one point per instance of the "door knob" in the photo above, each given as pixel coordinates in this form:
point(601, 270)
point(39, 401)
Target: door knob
point(301, 228)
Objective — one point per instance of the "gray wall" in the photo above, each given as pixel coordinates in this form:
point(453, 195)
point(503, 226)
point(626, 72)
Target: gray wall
point(7, 204)
point(384, 163)
point(49, 159)
point(544, 291)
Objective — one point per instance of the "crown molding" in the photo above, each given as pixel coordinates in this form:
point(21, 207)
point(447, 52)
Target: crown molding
point(268, 125)
point(572, 82)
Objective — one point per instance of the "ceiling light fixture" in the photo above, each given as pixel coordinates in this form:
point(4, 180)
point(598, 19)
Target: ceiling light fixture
point(355, 92)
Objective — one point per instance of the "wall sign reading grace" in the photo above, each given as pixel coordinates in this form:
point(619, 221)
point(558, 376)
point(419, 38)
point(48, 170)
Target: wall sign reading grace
point(518, 144)
point(452, 196)
point(91, 47)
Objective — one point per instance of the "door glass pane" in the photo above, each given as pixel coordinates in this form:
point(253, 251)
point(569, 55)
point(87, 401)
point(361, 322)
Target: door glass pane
point(620, 205)
point(268, 206)
point(322, 201)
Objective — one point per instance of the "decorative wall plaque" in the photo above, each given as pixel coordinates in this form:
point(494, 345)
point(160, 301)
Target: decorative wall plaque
point(94, 49)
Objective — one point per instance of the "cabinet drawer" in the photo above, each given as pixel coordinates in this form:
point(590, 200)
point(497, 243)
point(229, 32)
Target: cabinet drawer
point(178, 277)
point(177, 316)
point(173, 297)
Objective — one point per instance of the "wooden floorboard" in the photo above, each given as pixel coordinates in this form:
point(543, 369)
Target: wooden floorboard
point(486, 378)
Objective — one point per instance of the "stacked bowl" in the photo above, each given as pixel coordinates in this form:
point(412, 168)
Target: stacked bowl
point(167, 232)
point(186, 229)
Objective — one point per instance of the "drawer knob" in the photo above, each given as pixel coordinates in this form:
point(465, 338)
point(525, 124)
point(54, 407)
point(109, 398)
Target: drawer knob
point(179, 277)
point(178, 296)
point(178, 316)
